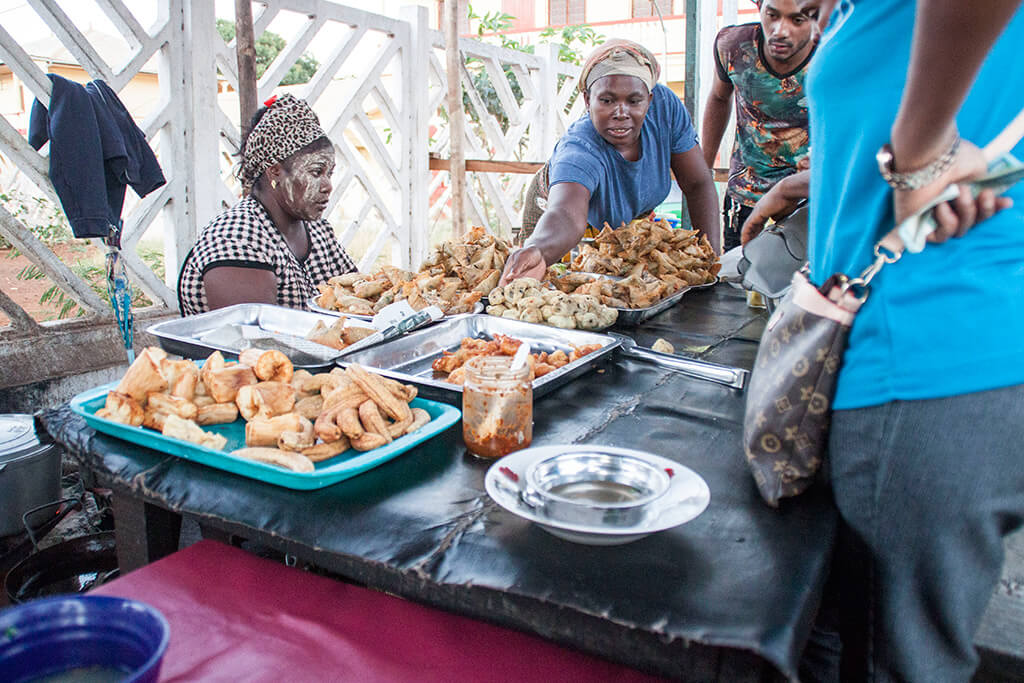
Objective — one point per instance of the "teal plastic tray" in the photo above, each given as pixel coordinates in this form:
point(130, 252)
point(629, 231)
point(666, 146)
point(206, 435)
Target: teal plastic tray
point(327, 472)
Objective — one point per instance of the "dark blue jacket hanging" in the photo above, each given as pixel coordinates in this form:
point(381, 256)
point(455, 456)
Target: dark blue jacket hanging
point(96, 150)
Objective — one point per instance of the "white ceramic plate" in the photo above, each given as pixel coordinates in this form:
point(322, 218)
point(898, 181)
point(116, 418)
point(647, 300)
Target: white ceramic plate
point(687, 496)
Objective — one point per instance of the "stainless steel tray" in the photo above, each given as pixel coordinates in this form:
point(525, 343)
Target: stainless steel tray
point(478, 307)
point(408, 358)
point(233, 328)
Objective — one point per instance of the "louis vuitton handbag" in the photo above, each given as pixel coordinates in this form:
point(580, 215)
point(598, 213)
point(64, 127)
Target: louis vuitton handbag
point(789, 398)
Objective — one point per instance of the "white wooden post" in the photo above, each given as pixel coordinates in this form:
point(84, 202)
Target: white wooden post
point(416, 103)
point(202, 138)
point(456, 117)
point(549, 104)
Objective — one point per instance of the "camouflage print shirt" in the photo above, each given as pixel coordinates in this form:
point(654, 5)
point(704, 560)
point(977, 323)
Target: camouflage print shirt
point(771, 113)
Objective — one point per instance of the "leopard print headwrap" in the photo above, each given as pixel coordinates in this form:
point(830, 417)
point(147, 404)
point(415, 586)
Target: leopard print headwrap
point(287, 126)
point(620, 57)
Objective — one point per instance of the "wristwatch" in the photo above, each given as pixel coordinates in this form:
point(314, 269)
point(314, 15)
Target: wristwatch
point(913, 180)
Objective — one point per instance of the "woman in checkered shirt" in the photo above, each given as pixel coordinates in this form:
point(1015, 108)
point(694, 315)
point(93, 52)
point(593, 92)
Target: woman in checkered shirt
point(272, 246)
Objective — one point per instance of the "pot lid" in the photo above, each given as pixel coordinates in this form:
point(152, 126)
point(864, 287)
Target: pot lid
point(18, 437)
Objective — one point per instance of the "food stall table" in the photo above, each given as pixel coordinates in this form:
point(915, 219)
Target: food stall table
point(730, 595)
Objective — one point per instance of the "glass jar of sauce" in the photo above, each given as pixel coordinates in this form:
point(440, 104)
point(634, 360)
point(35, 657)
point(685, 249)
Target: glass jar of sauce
point(497, 406)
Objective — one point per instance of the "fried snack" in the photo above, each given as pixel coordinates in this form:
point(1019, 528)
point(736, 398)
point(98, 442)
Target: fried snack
point(324, 450)
point(348, 422)
point(202, 401)
point(372, 385)
point(249, 357)
point(368, 441)
point(295, 462)
point(662, 346)
point(182, 377)
point(171, 405)
point(153, 419)
point(530, 300)
point(348, 395)
point(453, 362)
point(217, 413)
point(265, 399)
point(224, 384)
point(143, 375)
point(310, 406)
point(420, 418)
point(373, 421)
point(453, 277)
point(266, 431)
point(656, 260)
point(274, 366)
point(124, 409)
point(187, 430)
point(214, 362)
point(299, 439)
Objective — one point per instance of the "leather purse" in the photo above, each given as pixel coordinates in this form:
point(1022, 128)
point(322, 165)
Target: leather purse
point(779, 250)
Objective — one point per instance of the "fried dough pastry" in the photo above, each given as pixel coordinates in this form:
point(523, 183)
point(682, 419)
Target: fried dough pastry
point(335, 411)
point(655, 260)
point(454, 277)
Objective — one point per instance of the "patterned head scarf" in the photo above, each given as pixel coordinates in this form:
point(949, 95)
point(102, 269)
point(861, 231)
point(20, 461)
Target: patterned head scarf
point(287, 126)
point(618, 57)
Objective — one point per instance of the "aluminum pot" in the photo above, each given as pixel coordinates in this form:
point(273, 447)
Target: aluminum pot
point(29, 471)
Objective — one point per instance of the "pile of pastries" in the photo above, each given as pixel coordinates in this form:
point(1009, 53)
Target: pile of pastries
point(532, 301)
point(454, 277)
point(293, 418)
point(646, 251)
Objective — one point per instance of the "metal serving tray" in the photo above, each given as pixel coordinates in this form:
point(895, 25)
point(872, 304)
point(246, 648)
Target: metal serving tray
point(234, 328)
point(478, 307)
point(631, 317)
point(408, 358)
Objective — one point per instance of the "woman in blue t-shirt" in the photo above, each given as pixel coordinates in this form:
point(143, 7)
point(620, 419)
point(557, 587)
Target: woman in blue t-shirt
point(617, 162)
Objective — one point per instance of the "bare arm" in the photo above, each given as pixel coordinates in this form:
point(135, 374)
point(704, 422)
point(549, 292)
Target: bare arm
point(227, 285)
point(938, 80)
point(716, 117)
point(559, 229)
point(695, 181)
point(778, 202)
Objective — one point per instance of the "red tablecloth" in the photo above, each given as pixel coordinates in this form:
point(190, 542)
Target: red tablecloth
point(235, 617)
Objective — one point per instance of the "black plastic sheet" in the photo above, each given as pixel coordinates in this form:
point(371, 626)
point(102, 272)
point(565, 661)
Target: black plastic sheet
point(714, 598)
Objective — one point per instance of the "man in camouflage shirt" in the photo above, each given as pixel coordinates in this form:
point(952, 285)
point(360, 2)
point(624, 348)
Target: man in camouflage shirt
point(764, 65)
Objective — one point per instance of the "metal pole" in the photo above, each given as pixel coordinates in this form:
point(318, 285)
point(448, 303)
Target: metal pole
point(245, 53)
point(691, 87)
point(456, 122)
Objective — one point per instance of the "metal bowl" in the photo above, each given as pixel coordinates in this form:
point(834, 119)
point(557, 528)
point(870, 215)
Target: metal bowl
point(594, 488)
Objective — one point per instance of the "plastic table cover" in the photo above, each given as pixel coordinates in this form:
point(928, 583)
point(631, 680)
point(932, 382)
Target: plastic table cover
point(728, 596)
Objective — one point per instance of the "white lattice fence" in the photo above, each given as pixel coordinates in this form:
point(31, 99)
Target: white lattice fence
point(379, 93)
point(517, 109)
point(162, 125)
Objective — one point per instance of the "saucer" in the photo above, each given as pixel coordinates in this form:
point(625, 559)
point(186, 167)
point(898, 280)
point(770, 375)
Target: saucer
point(687, 496)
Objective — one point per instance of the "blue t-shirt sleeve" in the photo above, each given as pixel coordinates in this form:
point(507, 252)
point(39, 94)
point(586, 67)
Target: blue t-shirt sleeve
point(574, 162)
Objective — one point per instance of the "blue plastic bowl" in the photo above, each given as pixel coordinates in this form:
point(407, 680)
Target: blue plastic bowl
point(93, 636)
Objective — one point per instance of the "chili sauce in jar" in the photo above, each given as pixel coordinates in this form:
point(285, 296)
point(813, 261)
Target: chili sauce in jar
point(497, 406)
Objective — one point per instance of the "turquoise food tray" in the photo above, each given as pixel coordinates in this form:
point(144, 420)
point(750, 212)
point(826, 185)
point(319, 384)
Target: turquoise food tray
point(327, 472)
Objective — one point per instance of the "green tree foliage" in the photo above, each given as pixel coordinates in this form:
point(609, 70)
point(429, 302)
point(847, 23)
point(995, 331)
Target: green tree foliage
point(268, 46)
point(573, 40)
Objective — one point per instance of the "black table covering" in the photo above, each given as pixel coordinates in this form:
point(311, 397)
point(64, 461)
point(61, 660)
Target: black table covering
point(715, 598)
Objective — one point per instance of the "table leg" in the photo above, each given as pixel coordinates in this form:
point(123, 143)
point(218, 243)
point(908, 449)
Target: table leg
point(144, 532)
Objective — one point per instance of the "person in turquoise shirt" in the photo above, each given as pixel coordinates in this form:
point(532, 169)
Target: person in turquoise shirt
point(924, 451)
